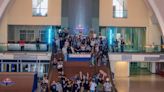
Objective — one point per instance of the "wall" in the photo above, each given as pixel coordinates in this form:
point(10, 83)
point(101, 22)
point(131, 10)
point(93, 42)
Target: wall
point(121, 69)
point(137, 14)
point(20, 13)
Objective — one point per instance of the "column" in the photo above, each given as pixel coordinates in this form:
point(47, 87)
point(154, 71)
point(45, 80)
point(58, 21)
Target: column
point(153, 67)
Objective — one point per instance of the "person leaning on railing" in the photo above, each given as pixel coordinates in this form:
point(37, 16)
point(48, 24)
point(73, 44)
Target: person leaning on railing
point(21, 44)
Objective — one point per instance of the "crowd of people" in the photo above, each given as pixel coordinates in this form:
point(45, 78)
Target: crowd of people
point(80, 82)
point(70, 44)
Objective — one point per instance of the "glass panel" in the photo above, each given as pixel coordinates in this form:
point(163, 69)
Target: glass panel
point(30, 36)
point(5, 67)
point(13, 67)
point(22, 35)
point(43, 35)
point(45, 68)
point(25, 67)
point(32, 67)
point(133, 38)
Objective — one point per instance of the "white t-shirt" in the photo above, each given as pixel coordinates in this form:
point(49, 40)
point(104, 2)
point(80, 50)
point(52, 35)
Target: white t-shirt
point(64, 50)
point(107, 86)
point(92, 42)
point(93, 86)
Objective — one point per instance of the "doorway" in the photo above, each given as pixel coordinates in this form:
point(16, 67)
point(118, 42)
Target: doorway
point(140, 68)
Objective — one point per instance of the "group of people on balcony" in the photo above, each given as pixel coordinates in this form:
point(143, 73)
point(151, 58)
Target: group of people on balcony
point(118, 45)
point(69, 44)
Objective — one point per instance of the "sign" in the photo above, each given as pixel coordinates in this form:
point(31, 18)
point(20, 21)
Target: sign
point(151, 59)
point(126, 57)
point(161, 57)
point(79, 55)
point(7, 82)
point(25, 57)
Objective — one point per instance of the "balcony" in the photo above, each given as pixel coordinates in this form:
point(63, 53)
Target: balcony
point(29, 47)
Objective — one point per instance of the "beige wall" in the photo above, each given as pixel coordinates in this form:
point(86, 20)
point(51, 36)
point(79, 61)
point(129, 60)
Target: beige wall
point(137, 14)
point(121, 69)
point(19, 12)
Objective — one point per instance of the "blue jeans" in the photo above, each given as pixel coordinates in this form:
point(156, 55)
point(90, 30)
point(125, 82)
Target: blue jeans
point(92, 91)
point(65, 57)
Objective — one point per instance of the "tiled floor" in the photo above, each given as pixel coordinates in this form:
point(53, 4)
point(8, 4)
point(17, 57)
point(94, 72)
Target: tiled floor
point(147, 83)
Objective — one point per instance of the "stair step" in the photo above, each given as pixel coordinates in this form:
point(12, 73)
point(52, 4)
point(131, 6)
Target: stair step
point(73, 68)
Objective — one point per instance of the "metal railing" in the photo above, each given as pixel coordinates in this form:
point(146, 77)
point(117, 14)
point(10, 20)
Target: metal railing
point(43, 47)
point(142, 49)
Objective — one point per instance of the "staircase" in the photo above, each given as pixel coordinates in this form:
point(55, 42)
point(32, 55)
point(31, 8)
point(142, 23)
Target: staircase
point(73, 68)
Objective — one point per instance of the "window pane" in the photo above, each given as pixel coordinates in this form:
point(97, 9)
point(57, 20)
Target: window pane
point(30, 36)
point(40, 7)
point(119, 9)
point(22, 35)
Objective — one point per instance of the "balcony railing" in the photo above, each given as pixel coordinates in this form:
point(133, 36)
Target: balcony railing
point(142, 49)
point(42, 47)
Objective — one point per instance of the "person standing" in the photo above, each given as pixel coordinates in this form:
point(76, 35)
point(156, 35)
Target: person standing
point(21, 44)
point(64, 51)
point(53, 86)
point(54, 46)
point(122, 45)
point(37, 44)
point(93, 86)
point(107, 86)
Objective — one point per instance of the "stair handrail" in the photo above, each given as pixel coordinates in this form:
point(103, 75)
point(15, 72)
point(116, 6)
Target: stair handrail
point(50, 71)
point(110, 74)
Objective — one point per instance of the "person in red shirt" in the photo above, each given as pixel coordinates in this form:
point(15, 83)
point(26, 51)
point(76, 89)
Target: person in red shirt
point(21, 44)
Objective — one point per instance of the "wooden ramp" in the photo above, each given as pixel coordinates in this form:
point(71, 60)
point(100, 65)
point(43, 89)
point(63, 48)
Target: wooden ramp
point(23, 82)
